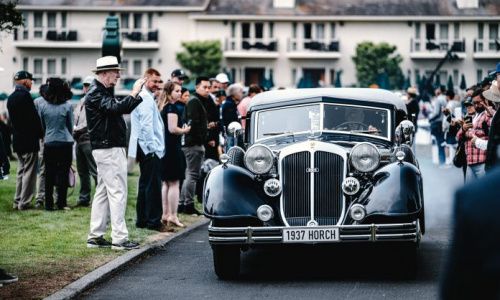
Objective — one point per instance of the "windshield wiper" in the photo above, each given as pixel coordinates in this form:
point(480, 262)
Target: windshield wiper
point(277, 133)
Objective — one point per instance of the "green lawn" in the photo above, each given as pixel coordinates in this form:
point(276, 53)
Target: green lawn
point(47, 250)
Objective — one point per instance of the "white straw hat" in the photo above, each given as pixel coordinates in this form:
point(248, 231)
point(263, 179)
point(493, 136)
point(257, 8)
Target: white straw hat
point(493, 94)
point(107, 63)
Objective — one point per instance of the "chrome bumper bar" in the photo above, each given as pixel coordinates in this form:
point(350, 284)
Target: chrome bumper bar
point(402, 232)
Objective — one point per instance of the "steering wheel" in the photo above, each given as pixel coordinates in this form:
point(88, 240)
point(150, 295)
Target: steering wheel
point(345, 124)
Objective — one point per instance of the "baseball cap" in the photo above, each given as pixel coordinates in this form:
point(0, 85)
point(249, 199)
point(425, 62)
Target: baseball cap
point(88, 80)
point(222, 78)
point(179, 73)
point(23, 75)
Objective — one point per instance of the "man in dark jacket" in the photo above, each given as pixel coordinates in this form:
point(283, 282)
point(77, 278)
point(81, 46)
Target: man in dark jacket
point(108, 133)
point(193, 148)
point(27, 131)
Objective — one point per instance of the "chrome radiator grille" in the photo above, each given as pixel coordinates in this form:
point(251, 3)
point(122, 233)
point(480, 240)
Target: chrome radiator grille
point(302, 201)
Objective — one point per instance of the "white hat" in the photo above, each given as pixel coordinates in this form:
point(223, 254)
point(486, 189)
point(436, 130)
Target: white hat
point(107, 63)
point(88, 80)
point(222, 78)
point(493, 94)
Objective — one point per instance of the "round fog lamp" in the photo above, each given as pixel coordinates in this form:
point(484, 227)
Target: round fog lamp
point(350, 186)
point(224, 158)
point(358, 212)
point(265, 213)
point(400, 155)
point(272, 187)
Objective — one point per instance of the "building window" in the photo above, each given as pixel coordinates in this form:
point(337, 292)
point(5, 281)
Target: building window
point(307, 31)
point(51, 20)
point(417, 77)
point(259, 30)
point(64, 19)
point(271, 29)
point(26, 63)
point(430, 31)
point(480, 27)
point(137, 67)
point(124, 21)
point(124, 64)
point(245, 30)
point(63, 66)
point(332, 31)
point(26, 25)
point(38, 24)
point(455, 77)
point(456, 34)
point(493, 36)
point(479, 76)
point(417, 30)
point(137, 21)
point(443, 31)
point(294, 30)
point(233, 29)
point(150, 63)
point(51, 66)
point(320, 31)
point(294, 77)
point(150, 20)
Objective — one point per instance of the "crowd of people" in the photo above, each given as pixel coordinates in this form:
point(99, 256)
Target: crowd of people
point(172, 132)
point(467, 122)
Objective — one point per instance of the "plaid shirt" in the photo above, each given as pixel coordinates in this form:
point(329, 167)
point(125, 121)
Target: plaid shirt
point(474, 155)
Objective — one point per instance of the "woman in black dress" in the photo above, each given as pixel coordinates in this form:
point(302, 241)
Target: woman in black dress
point(172, 164)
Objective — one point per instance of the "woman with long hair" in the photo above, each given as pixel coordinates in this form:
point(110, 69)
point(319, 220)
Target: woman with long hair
point(57, 122)
point(172, 164)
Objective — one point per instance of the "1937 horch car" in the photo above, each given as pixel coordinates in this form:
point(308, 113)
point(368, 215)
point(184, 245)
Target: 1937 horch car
point(316, 166)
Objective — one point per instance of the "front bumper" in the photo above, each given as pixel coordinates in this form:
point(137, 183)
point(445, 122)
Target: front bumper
point(402, 232)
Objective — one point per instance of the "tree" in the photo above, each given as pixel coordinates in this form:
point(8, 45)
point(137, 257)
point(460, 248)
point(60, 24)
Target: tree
point(372, 60)
point(201, 58)
point(10, 17)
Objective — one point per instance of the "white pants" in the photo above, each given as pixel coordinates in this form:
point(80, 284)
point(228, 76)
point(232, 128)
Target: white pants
point(110, 199)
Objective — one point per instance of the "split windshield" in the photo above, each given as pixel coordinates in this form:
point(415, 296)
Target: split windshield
point(347, 119)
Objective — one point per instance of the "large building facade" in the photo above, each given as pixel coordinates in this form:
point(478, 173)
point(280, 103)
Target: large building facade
point(289, 42)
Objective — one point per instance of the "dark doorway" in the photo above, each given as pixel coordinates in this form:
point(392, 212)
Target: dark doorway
point(254, 75)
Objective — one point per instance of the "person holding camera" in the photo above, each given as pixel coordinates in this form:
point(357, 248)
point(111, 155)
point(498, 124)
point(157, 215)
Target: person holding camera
point(478, 126)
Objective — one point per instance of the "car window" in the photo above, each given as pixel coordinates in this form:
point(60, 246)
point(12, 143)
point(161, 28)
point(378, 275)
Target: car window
point(292, 119)
point(307, 118)
point(356, 119)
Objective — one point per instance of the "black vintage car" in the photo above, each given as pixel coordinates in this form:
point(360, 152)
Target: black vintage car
point(316, 166)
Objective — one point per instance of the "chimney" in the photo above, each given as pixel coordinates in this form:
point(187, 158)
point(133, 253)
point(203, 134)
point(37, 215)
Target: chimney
point(284, 3)
point(464, 4)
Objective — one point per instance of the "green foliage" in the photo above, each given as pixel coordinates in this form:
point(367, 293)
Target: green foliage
point(201, 58)
point(373, 59)
point(10, 17)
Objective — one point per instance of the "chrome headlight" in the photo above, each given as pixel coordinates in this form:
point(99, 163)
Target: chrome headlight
point(265, 213)
point(358, 212)
point(259, 159)
point(365, 157)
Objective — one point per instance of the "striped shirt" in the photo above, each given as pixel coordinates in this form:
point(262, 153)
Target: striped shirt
point(474, 155)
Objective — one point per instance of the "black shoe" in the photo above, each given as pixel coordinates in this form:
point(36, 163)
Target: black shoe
point(6, 278)
point(180, 209)
point(98, 242)
point(25, 207)
point(82, 204)
point(127, 245)
point(190, 210)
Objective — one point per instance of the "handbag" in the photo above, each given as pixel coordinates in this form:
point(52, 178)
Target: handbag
point(72, 177)
point(460, 159)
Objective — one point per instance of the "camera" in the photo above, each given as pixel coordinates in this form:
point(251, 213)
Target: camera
point(468, 119)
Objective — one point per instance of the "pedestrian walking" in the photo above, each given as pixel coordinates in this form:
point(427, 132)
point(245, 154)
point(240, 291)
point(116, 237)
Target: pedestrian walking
point(85, 163)
point(27, 132)
point(107, 133)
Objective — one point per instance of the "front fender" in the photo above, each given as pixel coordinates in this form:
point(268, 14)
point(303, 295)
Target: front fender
point(231, 192)
point(396, 191)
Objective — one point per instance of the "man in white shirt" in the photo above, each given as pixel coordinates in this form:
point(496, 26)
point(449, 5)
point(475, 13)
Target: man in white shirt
point(147, 144)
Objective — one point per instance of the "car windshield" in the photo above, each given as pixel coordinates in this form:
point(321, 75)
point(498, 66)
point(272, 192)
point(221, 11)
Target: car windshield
point(347, 119)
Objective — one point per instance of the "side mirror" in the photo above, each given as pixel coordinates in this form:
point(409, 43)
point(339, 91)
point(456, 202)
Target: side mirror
point(405, 132)
point(234, 128)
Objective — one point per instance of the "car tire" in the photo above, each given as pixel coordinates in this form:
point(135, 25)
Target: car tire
point(226, 261)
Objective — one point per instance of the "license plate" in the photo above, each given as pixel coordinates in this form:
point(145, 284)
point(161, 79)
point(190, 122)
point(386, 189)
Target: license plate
point(300, 235)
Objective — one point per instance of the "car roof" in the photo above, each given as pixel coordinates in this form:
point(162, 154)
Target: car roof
point(361, 94)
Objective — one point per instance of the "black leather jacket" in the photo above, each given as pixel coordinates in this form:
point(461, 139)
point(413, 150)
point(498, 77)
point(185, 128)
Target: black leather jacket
point(105, 123)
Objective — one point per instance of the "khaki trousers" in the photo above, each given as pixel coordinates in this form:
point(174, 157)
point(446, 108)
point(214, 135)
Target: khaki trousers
point(26, 179)
point(110, 199)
